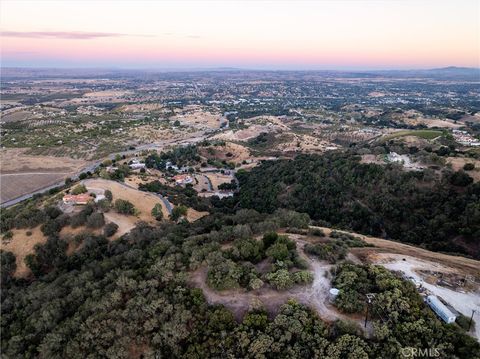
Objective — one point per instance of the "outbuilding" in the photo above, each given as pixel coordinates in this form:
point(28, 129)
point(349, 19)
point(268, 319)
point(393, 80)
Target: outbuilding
point(441, 309)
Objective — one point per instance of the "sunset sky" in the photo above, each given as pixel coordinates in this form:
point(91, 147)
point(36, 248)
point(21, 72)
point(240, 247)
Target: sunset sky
point(345, 34)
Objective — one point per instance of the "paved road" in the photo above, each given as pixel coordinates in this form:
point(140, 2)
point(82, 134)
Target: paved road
point(209, 182)
point(91, 167)
point(165, 201)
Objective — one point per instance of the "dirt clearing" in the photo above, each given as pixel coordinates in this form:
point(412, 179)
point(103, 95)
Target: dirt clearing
point(314, 295)
point(467, 265)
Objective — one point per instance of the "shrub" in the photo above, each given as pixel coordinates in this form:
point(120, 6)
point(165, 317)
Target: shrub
point(255, 283)
point(177, 212)
point(78, 219)
point(95, 220)
point(157, 212)
point(460, 179)
point(302, 277)
point(468, 166)
point(79, 189)
point(108, 195)
point(464, 322)
point(292, 219)
point(52, 212)
point(8, 265)
point(269, 239)
point(124, 207)
point(223, 273)
point(110, 229)
point(8, 235)
point(249, 249)
point(280, 279)
point(50, 227)
point(278, 251)
point(317, 232)
point(104, 205)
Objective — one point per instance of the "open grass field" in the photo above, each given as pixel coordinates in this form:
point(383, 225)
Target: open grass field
point(218, 178)
point(16, 116)
point(22, 245)
point(230, 152)
point(21, 173)
point(457, 163)
point(143, 201)
point(16, 185)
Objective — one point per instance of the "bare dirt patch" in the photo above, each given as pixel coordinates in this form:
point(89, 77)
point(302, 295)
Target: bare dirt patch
point(16, 185)
point(195, 116)
point(16, 116)
point(244, 134)
point(125, 223)
point(107, 93)
point(467, 265)
point(370, 158)
point(432, 122)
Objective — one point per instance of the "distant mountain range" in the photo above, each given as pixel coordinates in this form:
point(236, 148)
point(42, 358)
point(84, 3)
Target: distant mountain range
point(450, 72)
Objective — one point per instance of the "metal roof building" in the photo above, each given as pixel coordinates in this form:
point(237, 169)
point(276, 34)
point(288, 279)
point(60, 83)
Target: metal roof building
point(442, 311)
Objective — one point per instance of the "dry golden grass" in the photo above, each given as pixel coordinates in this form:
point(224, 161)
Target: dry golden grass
point(143, 201)
point(458, 163)
point(218, 178)
point(236, 153)
point(193, 215)
point(22, 173)
point(15, 160)
point(22, 245)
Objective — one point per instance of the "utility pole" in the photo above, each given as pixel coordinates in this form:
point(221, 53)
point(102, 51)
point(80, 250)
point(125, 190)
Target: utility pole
point(471, 320)
point(370, 297)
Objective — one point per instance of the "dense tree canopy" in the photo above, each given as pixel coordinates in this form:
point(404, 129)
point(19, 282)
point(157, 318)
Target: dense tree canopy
point(118, 298)
point(415, 207)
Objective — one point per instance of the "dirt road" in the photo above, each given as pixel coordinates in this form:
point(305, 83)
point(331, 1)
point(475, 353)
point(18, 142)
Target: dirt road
point(314, 295)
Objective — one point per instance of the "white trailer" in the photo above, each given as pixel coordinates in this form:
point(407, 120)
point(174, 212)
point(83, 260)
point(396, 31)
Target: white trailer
point(441, 309)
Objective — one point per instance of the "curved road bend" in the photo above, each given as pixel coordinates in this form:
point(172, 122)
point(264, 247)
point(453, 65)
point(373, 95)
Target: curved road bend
point(165, 201)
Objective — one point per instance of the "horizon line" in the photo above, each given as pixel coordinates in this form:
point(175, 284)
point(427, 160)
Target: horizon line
point(233, 68)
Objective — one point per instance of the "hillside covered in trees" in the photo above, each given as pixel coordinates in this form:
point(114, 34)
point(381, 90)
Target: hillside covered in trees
point(131, 298)
point(440, 211)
